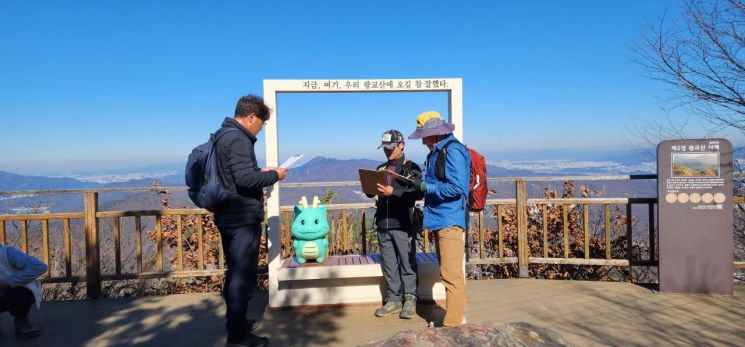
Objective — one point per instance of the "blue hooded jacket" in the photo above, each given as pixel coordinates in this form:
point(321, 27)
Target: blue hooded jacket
point(445, 201)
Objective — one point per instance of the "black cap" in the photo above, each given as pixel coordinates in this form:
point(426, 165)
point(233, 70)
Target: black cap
point(390, 139)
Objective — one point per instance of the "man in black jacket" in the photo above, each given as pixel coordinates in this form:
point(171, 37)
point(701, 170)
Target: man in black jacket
point(396, 234)
point(239, 218)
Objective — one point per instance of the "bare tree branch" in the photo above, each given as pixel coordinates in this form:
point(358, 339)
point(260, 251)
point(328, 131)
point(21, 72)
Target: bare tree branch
point(702, 59)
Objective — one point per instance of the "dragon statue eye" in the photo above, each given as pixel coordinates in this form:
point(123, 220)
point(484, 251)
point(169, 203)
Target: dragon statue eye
point(316, 221)
point(302, 222)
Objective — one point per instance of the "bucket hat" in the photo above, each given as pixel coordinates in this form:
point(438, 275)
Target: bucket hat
point(430, 123)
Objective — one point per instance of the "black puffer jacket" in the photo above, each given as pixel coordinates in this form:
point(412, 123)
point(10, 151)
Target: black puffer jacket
point(241, 175)
point(393, 212)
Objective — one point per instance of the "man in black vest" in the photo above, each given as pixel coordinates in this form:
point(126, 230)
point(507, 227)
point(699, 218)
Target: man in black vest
point(396, 234)
point(239, 218)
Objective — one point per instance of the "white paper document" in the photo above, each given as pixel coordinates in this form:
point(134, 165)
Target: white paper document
point(292, 160)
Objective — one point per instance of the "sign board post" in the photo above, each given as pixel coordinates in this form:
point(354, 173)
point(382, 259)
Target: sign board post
point(694, 190)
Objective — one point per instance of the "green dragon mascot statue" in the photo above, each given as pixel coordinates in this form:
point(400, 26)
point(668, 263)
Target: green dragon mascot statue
point(310, 229)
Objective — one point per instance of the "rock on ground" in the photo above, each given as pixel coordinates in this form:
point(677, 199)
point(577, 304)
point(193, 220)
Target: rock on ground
point(472, 335)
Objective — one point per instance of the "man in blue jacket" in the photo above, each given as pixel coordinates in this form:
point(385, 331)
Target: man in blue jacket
point(445, 186)
point(239, 218)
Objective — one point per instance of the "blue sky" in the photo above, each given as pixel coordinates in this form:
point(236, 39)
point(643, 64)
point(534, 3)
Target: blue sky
point(107, 84)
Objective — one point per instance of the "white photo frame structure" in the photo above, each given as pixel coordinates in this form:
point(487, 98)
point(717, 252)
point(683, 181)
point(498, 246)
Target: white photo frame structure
point(453, 86)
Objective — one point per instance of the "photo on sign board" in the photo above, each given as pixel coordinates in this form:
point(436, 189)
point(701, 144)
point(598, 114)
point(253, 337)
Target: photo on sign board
point(703, 164)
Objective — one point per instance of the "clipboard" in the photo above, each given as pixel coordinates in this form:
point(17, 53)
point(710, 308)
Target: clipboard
point(369, 180)
point(398, 177)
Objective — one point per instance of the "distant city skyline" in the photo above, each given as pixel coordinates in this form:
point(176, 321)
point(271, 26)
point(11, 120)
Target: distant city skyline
point(95, 85)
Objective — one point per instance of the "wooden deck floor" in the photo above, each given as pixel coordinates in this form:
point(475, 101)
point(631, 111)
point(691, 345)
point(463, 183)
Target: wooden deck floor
point(586, 313)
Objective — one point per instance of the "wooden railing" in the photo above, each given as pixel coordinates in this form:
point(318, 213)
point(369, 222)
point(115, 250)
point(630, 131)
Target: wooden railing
point(91, 217)
point(522, 202)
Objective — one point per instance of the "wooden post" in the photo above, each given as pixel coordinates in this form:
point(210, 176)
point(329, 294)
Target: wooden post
point(545, 230)
point(138, 241)
point(2, 232)
point(426, 240)
point(24, 236)
point(68, 248)
point(221, 251)
point(200, 232)
point(344, 232)
point(607, 231)
point(500, 231)
point(521, 203)
point(92, 256)
point(286, 231)
point(158, 243)
point(180, 231)
point(117, 246)
point(586, 227)
point(332, 239)
point(363, 234)
point(651, 233)
point(629, 226)
point(45, 245)
point(565, 225)
point(482, 253)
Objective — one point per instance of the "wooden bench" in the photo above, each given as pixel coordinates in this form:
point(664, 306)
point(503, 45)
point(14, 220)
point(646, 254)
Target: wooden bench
point(350, 279)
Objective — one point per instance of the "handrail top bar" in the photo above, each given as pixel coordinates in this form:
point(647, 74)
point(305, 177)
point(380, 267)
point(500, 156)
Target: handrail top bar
point(331, 207)
point(95, 190)
point(572, 178)
point(324, 184)
point(315, 184)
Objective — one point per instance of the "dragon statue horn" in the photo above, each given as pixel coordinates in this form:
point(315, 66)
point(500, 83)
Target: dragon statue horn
point(303, 202)
point(316, 201)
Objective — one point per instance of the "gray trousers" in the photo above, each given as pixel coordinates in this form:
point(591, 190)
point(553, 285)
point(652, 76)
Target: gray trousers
point(398, 253)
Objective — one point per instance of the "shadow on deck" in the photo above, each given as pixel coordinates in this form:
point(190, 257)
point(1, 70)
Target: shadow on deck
point(586, 313)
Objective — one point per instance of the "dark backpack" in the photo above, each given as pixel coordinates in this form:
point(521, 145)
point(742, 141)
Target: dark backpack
point(206, 189)
point(477, 187)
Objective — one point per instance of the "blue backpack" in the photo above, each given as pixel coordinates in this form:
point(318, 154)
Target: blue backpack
point(202, 177)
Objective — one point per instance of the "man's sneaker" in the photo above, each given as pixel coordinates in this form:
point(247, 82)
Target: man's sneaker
point(24, 328)
point(409, 309)
point(389, 308)
point(249, 340)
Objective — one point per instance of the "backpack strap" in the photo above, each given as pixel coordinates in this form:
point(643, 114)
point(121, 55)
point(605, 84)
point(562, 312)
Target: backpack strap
point(214, 138)
point(440, 161)
point(220, 132)
point(406, 167)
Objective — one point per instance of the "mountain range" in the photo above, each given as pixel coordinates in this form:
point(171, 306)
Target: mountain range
point(318, 169)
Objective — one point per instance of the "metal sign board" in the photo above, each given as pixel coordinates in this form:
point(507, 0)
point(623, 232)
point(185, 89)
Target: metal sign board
point(694, 190)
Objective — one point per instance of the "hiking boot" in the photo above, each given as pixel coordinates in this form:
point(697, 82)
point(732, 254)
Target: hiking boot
point(253, 325)
point(249, 340)
point(24, 328)
point(409, 309)
point(389, 308)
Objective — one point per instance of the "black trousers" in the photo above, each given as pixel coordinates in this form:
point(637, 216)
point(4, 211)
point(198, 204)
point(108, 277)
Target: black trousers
point(241, 247)
point(17, 301)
